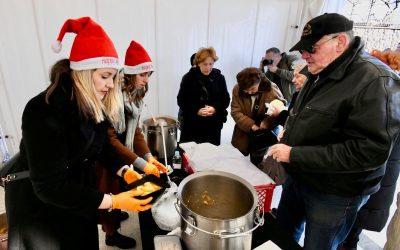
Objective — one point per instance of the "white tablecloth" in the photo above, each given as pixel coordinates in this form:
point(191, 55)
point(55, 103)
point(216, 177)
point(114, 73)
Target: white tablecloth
point(206, 156)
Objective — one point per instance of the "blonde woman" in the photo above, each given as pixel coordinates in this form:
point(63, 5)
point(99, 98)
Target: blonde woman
point(52, 201)
point(203, 99)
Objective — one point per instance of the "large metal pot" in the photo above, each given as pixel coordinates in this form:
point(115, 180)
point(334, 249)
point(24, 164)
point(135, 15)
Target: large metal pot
point(217, 211)
point(153, 129)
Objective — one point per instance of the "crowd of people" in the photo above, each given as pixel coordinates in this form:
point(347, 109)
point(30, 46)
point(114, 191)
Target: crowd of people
point(81, 139)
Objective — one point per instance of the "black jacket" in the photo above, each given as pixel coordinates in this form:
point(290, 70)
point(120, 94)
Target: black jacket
point(342, 125)
point(56, 208)
point(375, 213)
point(196, 91)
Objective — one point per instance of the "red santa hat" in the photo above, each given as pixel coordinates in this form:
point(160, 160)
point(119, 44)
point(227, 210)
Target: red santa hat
point(92, 48)
point(137, 60)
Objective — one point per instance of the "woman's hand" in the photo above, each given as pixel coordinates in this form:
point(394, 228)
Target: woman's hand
point(280, 135)
point(154, 167)
point(263, 125)
point(126, 201)
point(206, 111)
point(129, 176)
point(254, 127)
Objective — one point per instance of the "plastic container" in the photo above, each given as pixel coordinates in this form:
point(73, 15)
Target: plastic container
point(167, 242)
point(153, 179)
point(265, 193)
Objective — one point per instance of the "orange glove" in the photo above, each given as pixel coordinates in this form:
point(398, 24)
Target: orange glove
point(158, 164)
point(151, 169)
point(131, 176)
point(126, 201)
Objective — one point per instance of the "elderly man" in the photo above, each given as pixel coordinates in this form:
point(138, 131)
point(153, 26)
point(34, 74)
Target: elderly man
point(338, 135)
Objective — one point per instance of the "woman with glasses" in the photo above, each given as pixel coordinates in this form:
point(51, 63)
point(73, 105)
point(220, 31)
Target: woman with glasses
point(248, 109)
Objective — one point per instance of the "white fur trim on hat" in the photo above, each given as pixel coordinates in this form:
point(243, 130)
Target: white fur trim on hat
point(56, 46)
point(140, 68)
point(95, 63)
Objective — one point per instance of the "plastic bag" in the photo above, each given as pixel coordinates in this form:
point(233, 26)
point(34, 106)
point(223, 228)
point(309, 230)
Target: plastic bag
point(163, 210)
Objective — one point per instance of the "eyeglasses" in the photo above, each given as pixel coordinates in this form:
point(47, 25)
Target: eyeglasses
point(314, 47)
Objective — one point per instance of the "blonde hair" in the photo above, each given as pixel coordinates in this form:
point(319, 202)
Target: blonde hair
point(203, 54)
point(89, 104)
point(84, 92)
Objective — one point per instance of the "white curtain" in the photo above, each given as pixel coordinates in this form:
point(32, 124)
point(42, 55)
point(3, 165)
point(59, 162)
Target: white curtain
point(313, 8)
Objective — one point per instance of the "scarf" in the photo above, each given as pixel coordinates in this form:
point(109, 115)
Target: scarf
point(130, 115)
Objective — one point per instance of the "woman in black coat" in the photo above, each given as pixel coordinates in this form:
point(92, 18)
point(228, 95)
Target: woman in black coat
point(375, 213)
point(203, 99)
point(53, 203)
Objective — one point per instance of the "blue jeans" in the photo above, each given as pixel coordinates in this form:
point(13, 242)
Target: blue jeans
point(328, 218)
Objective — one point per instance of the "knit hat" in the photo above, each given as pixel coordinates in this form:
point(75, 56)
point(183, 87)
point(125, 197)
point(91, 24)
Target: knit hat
point(316, 28)
point(92, 48)
point(137, 60)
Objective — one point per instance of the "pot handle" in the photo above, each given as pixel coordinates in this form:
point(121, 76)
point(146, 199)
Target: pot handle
point(171, 131)
point(259, 221)
point(192, 222)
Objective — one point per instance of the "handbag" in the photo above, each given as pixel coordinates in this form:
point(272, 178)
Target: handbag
point(274, 170)
point(5, 169)
point(261, 139)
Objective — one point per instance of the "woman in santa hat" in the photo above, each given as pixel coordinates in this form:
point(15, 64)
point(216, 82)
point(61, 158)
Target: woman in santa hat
point(51, 197)
point(127, 137)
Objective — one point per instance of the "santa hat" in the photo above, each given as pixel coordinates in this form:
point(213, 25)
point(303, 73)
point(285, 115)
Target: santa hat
point(92, 48)
point(137, 60)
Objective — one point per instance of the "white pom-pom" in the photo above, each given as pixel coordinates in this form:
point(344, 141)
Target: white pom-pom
point(56, 47)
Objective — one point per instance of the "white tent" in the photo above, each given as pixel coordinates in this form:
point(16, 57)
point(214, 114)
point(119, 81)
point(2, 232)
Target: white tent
point(170, 30)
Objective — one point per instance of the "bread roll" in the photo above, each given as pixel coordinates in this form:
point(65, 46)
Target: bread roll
point(278, 104)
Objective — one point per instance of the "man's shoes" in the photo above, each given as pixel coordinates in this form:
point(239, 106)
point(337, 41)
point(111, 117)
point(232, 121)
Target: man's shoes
point(120, 241)
point(123, 216)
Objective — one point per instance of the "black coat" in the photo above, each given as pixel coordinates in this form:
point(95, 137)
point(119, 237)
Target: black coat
point(375, 213)
point(342, 125)
point(192, 96)
point(56, 208)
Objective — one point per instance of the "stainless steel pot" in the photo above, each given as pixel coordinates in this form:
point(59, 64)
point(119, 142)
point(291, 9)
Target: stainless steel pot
point(217, 211)
point(153, 129)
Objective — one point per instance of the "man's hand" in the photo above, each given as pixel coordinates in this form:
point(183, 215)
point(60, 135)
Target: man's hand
point(280, 152)
point(272, 68)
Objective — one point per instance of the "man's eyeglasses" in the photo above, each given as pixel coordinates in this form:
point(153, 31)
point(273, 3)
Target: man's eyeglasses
point(314, 47)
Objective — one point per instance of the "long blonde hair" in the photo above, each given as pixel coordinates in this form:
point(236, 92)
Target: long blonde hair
point(84, 92)
point(89, 104)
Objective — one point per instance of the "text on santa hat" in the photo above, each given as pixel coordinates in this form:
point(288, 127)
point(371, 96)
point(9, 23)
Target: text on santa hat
point(147, 67)
point(109, 61)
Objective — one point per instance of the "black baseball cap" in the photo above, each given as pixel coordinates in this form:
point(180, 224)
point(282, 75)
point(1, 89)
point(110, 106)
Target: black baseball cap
point(316, 28)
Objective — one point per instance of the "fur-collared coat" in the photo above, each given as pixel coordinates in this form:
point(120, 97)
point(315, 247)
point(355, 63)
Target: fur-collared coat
point(242, 114)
